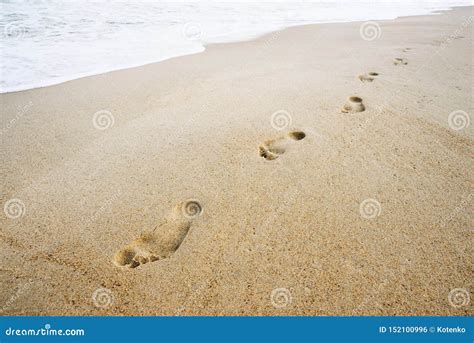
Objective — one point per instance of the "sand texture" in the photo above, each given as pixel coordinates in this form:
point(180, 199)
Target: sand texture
point(313, 171)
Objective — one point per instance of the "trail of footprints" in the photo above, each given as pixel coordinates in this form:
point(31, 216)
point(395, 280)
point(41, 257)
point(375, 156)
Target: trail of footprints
point(166, 238)
point(355, 104)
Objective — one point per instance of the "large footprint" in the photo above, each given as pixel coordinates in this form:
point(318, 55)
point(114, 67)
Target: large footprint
point(164, 240)
point(271, 149)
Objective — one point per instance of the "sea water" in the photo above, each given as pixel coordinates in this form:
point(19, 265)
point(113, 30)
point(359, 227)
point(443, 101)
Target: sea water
point(48, 42)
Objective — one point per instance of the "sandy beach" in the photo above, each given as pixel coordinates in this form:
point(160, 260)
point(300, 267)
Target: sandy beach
point(241, 180)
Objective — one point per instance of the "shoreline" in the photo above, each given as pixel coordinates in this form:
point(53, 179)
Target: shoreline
point(359, 213)
point(66, 79)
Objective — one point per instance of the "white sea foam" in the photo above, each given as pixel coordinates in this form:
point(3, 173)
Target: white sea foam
point(48, 42)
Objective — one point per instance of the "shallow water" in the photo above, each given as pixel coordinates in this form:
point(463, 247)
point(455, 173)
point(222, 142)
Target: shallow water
point(48, 42)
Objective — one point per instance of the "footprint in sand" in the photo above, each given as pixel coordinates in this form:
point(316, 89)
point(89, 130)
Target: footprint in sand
point(353, 104)
point(368, 77)
point(271, 149)
point(400, 61)
point(406, 49)
point(164, 240)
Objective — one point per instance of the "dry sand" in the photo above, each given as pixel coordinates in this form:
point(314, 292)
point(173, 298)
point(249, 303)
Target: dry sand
point(291, 225)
